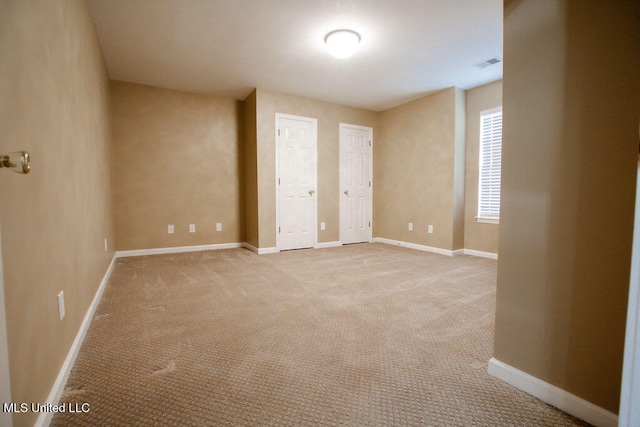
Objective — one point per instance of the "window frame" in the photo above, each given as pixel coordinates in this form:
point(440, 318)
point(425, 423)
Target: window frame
point(485, 215)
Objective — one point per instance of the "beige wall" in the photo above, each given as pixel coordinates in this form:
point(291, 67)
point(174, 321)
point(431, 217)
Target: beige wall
point(176, 161)
point(250, 171)
point(478, 236)
point(158, 123)
point(55, 104)
point(571, 104)
point(329, 117)
point(414, 165)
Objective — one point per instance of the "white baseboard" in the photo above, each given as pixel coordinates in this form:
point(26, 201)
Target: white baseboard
point(552, 395)
point(271, 250)
point(251, 247)
point(259, 251)
point(263, 251)
point(481, 254)
point(178, 249)
point(413, 246)
point(327, 245)
point(44, 419)
point(435, 250)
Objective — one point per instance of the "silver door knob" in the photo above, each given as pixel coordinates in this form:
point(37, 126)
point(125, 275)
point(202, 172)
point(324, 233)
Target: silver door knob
point(346, 192)
point(311, 192)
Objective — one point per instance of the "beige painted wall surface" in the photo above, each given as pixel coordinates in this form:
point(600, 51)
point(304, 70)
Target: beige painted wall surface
point(414, 165)
point(54, 103)
point(329, 117)
point(569, 168)
point(478, 236)
point(250, 171)
point(176, 161)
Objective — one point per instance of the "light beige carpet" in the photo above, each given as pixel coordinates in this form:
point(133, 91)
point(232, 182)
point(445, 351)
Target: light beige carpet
point(365, 335)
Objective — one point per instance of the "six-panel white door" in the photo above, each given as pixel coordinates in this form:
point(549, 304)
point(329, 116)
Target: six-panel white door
point(296, 180)
point(355, 183)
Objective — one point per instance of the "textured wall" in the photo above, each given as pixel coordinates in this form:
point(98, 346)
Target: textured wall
point(176, 161)
point(329, 117)
point(568, 174)
point(54, 102)
point(414, 166)
point(478, 236)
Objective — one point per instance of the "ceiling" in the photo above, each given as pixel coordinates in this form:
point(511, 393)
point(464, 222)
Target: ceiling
point(227, 48)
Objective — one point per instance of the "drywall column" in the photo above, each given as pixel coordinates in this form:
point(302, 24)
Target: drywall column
point(250, 172)
point(571, 103)
point(459, 152)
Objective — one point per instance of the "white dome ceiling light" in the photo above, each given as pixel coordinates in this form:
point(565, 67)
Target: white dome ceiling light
point(342, 43)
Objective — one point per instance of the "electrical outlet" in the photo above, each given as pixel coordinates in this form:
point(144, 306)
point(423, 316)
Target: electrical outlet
point(170, 229)
point(218, 226)
point(323, 226)
point(61, 305)
point(430, 229)
point(192, 228)
point(410, 226)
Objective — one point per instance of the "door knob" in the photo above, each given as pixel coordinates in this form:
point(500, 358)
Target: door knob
point(311, 192)
point(19, 161)
point(346, 192)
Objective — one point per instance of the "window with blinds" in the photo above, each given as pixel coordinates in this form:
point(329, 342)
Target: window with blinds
point(490, 159)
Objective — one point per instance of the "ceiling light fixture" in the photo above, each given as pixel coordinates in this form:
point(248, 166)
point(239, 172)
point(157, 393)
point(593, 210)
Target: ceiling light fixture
point(342, 43)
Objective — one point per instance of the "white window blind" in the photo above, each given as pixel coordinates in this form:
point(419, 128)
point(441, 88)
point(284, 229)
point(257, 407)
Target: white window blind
point(490, 160)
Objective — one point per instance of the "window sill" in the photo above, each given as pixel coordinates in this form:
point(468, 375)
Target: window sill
point(488, 220)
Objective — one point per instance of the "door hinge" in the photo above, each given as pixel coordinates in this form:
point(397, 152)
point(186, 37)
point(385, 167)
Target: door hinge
point(369, 143)
point(369, 223)
point(278, 132)
point(278, 180)
point(278, 230)
point(369, 183)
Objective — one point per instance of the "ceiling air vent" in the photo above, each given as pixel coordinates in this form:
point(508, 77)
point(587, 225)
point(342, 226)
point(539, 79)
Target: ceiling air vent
point(488, 62)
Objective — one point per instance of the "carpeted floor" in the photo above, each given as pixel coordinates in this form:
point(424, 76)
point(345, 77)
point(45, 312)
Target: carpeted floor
point(363, 335)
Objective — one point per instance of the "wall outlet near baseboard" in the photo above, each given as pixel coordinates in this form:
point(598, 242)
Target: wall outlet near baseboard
point(430, 229)
point(170, 229)
point(410, 226)
point(323, 226)
point(218, 226)
point(61, 305)
point(192, 228)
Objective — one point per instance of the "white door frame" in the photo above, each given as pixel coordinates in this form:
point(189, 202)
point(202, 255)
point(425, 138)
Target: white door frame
point(370, 178)
point(5, 386)
point(630, 413)
point(315, 178)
